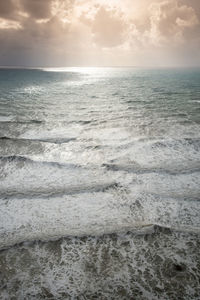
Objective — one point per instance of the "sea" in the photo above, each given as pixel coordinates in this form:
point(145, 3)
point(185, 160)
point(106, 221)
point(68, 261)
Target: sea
point(100, 183)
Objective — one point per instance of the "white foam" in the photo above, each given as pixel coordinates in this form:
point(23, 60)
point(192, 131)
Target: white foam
point(33, 178)
point(6, 118)
point(96, 213)
point(44, 219)
point(51, 132)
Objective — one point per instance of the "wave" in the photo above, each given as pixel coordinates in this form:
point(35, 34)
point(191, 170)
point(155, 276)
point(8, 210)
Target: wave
point(144, 170)
point(55, 191)
point(187, 197)
point(45, 140)
point(15, 158)
point(137, 230)
point(161, 142)
point(24, 159)
point(7, 121)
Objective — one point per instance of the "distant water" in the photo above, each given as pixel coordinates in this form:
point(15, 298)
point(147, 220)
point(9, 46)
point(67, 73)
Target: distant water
point(100, 184)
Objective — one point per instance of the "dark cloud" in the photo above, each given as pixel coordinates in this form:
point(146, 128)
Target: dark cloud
point(39, 9)
point(195, 4)
point(8, 9)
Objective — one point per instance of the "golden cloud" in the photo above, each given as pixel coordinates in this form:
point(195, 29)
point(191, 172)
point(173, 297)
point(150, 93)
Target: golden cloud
point(89, 31)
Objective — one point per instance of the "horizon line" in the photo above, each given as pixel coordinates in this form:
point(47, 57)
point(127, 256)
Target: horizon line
point(106, 66)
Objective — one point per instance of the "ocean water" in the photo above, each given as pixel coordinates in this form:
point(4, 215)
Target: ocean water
point(100, 183)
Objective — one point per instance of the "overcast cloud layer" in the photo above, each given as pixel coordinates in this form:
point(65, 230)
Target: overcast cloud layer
point(100, 32)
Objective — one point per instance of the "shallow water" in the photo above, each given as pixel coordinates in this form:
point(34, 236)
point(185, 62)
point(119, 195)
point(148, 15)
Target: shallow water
point(99, 189)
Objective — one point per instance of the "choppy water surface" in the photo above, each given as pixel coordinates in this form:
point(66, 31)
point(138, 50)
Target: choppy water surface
point(99, 184)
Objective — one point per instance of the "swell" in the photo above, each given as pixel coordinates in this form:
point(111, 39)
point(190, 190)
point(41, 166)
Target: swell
point(191, 197)
point(45, 140)
point(59, 191)
point(135, 169)
point(24, 159)
point(158, 170)
point(161, 142)
point(21, 122)
point(137, 230)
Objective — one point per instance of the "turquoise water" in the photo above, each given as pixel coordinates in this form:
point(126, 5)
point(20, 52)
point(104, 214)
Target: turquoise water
point(99, 189)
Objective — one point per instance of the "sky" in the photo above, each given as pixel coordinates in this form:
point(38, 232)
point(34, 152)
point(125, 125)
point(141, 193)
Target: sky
point(59, 33)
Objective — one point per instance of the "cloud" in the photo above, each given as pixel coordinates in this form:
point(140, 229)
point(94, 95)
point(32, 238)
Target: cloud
point(169, 21)
point(108, 28)
point(9, 24)
point(36, 8)
point(75, 32)
point(8, 9)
